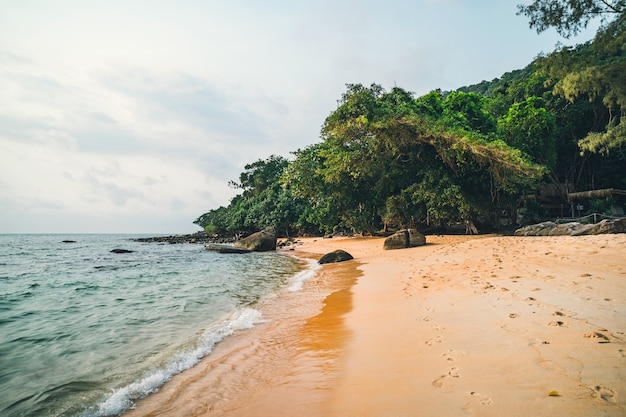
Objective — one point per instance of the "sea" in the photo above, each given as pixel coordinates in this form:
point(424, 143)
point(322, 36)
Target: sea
point(85, 332)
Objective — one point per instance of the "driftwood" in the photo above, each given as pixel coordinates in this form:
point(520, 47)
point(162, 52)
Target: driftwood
point(604, 193)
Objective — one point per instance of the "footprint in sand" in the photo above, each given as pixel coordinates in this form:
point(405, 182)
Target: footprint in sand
point(452, 355)
point(443, 379)
point(432, 341)
point(557, 324)
point(596, 335)
point(484, 399)
point(604, 393)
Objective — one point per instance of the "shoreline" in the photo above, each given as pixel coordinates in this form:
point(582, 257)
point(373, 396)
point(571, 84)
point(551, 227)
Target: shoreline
point(288, 349)
point(484, 325)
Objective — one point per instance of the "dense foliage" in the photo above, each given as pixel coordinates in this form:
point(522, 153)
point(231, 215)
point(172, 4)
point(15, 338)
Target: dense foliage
point(568, 17)
point(388, 158)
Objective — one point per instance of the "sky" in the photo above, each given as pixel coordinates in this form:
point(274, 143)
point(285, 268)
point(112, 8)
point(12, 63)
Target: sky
point(131, 116)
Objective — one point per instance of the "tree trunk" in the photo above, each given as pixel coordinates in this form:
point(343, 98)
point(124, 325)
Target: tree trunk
point(470, 227)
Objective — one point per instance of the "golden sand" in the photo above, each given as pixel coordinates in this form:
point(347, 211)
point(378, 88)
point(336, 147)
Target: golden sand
point(464, 326)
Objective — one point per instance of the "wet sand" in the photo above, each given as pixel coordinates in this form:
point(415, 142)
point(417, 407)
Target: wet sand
point(464, 326)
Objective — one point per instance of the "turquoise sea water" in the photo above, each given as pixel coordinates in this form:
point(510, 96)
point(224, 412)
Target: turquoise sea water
point(84, 332)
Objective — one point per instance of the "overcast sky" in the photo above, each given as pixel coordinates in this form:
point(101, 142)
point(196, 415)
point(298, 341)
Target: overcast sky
point(131, 116)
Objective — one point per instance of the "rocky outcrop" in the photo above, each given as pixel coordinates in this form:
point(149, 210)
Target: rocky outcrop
point(406, 238)
point(336, 256)
point(225, 249)
point(573, 228)
point(262, 241)
point(198, 237)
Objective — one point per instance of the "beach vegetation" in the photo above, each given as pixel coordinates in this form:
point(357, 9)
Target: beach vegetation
point(390, 159)
point(568, 17)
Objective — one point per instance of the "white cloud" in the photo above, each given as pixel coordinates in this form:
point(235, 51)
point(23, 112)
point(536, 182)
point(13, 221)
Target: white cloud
point(133, 116)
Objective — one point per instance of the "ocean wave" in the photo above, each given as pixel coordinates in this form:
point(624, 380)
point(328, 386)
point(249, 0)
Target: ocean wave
point(298, 280)
point(122, 399)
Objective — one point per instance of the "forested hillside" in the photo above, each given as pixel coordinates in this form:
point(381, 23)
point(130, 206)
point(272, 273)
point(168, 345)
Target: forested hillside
point(389, 158)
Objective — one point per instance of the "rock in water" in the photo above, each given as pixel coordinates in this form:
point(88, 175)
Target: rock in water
point(121, 251)
point(226, 249)
point(406, 238)
point(262, 241)
point(336, 256)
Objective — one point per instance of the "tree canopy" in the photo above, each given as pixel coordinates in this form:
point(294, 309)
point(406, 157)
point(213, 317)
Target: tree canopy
point(391, 159)
point(568, 17)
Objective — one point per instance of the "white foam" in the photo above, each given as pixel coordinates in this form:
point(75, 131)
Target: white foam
point(298, 280)
point(121, 399)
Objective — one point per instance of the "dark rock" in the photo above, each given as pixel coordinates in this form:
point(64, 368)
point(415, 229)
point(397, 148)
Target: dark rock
point(336, 256)
point(416, 238)
point(226, 249)
point(289, 244)
point(198, 237)
point(398, 240)
point(573, 228)
point(262, 241)
point(68, 241)
point(121, 251)
point(607, 226)
point(406, 238)
point(540, 229)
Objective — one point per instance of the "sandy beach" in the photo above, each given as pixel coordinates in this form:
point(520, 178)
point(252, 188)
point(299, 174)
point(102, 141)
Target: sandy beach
point(463, 326)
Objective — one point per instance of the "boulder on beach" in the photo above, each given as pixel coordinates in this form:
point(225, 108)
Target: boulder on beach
point(406, 238)
point(398, 240)
point(335, 256)
point(262, 241)
point(226, 249)
point(606, 226)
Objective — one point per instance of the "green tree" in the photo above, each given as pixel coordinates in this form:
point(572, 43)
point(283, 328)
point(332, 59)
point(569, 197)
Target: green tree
point(261, 174)
point(307, 177)
point(568, 17)
point(528, 126)
point(265, 202)
point(596, 72)
point(430, 105)
point(389, 158)
point(469, 111)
